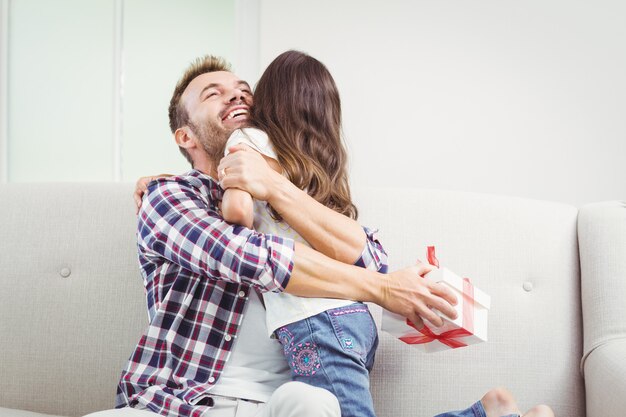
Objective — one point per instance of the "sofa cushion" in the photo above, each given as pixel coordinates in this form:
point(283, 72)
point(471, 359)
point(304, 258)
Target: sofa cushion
point(12, 412)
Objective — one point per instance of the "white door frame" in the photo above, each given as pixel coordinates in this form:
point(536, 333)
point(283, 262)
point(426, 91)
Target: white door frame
point(4, 110)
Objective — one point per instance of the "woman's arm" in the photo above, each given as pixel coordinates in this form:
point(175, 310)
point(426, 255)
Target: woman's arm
point(141, 186)
point(238, 207)
point(329, 232)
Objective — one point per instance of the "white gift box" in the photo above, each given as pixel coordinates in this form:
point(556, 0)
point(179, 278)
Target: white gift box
point(470, 326)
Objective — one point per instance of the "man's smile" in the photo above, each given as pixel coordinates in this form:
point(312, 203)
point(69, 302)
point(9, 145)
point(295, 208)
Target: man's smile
point(236, 112)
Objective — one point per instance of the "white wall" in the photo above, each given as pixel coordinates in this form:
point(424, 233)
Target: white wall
point(523, 98)
point(161, 38)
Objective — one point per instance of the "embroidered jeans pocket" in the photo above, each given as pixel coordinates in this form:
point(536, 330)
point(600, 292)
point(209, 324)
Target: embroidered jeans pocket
point(301, 352)
point(355, 329)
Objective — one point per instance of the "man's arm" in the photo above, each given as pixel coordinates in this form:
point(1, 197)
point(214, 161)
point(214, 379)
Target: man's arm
point(178, 224)
point(404, 292)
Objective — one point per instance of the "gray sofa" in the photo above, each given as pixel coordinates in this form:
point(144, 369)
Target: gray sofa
point(72, 303)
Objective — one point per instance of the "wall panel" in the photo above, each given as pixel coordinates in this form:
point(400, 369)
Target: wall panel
point(60, 90)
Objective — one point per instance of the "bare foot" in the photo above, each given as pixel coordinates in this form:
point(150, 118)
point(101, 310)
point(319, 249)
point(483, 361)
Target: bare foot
point(539, 411)
point(499, 402)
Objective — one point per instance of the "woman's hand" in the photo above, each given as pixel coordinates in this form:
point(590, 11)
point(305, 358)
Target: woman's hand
point(407, 293)
point(141, 186)
point(248, 170)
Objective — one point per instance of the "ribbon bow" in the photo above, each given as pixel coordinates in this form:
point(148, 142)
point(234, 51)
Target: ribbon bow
point(449, 338)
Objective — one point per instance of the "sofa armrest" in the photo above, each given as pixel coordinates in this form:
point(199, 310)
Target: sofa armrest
point(602, 245)
point(605, 384)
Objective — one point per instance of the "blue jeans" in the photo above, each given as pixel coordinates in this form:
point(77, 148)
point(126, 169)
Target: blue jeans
point(476, 410)
point(335, 350)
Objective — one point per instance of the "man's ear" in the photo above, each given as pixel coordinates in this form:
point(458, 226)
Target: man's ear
point(184, 137)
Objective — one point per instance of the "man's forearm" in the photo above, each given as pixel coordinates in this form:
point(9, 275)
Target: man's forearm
point(404, 291)
point(316, 275)
point(328, 231)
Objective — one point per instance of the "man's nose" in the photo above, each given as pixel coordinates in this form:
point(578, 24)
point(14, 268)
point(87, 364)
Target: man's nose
point(236, 95)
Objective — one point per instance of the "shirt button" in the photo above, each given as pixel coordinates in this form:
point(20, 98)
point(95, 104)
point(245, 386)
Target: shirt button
point(65, 272)
point(242, 293)
point(211, 380)
point(227, 338)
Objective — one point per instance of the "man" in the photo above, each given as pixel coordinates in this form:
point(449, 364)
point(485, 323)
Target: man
point(201, 276)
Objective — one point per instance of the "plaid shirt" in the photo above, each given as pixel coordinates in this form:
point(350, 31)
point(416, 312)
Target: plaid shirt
point(198, 271)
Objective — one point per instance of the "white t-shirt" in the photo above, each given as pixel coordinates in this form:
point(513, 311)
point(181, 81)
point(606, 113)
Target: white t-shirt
point(256, 366)
point(281, 308)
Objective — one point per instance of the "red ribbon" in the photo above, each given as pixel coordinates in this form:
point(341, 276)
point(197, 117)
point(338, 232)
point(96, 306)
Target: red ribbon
point(449, 338)
point(432, 259)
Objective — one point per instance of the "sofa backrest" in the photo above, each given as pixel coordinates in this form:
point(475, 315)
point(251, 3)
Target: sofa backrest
point(72, 303)
point(521, 252)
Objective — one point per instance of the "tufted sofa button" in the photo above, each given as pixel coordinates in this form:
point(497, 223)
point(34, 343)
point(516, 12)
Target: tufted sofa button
point(528, 286)
point(65, 272)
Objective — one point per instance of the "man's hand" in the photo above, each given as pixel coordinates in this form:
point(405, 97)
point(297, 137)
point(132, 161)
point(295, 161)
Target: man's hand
point(246, 169)
point(407, 293)
point(141, 186)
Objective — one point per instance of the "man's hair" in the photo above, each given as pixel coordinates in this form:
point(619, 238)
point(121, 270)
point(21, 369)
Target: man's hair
point(177, 111)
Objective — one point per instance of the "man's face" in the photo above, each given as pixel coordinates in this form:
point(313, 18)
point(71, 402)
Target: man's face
point(217, 103)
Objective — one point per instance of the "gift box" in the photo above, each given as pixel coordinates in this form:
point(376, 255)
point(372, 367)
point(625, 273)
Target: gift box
point(470, 326)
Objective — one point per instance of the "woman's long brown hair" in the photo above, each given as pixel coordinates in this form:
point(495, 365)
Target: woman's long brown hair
point(296, 102)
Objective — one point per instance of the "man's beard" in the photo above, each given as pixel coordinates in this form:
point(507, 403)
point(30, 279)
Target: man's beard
point(212, 138)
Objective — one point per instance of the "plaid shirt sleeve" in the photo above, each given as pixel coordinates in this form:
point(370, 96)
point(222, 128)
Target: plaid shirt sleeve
point(178, 223)
point(373, 256)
